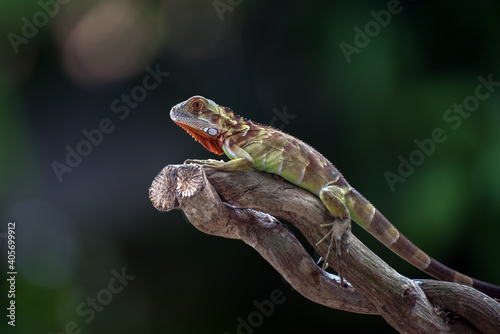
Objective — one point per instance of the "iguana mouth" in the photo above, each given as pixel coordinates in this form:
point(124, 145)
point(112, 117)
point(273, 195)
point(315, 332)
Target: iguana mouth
point(213, 144)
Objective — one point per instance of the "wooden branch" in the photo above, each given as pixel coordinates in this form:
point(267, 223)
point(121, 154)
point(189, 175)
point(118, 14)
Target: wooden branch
point(232, 205)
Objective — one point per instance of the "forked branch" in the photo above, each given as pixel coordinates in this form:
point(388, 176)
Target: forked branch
point(232, 205)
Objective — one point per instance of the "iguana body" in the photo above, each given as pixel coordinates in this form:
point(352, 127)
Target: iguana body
point(251, 145)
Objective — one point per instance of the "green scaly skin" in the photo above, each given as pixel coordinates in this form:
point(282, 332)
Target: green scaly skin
point(261, 147)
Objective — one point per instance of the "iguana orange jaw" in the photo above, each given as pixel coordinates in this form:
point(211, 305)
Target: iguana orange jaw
point(213, 144)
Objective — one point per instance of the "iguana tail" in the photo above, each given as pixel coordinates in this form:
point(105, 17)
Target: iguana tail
point(365, 214)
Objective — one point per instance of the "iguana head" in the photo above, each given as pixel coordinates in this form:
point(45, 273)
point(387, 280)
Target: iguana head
point(203, 119)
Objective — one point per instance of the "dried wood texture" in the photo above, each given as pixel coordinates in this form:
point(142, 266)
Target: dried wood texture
point(241, 205)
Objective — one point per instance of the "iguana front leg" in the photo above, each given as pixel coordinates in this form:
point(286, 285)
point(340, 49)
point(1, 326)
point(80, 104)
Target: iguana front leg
point(332, 196)
point(240, 159)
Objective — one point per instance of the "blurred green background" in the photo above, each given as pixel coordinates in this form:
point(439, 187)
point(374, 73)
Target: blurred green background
point(66, 66)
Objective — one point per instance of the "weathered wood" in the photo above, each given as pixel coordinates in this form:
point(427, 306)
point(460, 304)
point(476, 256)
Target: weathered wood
point(231, 205)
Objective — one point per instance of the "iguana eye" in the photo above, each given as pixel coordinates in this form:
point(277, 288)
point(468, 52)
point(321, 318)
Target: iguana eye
point(197, 105)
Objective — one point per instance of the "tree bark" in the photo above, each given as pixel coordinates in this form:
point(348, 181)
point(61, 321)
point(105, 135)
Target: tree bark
point(241, 205)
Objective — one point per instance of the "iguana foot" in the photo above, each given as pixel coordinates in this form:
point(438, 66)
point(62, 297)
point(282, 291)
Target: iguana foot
point(211, 163)
point(338, 234)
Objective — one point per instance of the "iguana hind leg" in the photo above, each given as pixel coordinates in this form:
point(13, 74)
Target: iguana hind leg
point(340, 228)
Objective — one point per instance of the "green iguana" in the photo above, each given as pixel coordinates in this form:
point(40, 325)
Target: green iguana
point(251, 145)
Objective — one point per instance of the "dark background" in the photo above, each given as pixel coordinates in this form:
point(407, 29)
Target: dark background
point(262, 57)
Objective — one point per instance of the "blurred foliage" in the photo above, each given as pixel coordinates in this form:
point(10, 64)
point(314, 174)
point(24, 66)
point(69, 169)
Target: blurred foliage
point(66, 76)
